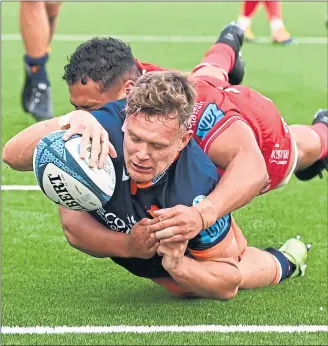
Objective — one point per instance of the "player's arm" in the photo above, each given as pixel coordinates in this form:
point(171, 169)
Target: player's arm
point(214, 279)
point(237, 152)
point(86, 234)
point(18, 151)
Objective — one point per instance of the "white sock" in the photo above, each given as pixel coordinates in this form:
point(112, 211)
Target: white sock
point(244, 22)
point(276, 24)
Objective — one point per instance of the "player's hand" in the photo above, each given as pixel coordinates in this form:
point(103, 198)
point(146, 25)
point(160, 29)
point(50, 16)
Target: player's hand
point(173, 254)
point(85, 124)
point(176, 224)
point(142, 243)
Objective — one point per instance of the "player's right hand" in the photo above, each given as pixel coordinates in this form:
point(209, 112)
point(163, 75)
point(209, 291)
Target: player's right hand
point(142, 242)
point(85, 124)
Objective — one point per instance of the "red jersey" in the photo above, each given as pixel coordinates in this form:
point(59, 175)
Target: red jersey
point(219, 104)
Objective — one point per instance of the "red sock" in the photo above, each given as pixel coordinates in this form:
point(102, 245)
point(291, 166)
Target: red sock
point(220, 55)
point(273, 9)
point(322, 131)
point(248, 8)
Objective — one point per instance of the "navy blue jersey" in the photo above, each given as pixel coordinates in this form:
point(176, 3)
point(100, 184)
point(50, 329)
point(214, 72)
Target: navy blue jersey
point(188, 180)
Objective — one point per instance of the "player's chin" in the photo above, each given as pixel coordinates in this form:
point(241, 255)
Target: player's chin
point(140, 176)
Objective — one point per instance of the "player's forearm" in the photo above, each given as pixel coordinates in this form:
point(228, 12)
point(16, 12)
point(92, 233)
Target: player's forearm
point(89, 236)
point(244, 178)
point(208, 279)
point(18, 151)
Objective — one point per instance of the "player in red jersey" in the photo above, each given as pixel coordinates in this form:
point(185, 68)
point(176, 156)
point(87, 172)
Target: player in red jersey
point(245, 136)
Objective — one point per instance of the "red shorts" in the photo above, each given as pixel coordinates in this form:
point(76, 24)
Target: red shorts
point(219, 105)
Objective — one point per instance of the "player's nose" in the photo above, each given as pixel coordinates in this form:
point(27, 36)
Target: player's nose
point(143, 152)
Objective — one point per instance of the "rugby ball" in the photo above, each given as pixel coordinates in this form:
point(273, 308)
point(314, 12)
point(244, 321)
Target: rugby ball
point(68, 180)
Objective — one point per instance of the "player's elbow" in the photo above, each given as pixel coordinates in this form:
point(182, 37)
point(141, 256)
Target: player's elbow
point(68, 227)
point(8, 158)
point(259, 176)
point(262, 173)
point(12, 159)
point(70, 235)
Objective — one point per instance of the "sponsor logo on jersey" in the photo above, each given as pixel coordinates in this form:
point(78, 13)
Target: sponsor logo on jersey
point(279, 156)
point(196, 109)
point(211, 115)
point(159, 177)
point(115, 223)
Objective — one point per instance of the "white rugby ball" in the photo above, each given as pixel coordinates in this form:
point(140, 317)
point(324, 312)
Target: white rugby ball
point(68, 180)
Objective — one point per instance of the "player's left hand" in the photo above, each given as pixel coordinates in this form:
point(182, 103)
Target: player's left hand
point(176, 224)
point(173, 254)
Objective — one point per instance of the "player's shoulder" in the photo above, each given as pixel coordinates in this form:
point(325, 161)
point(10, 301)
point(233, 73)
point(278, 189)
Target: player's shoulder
point(193, 174)
point(111, 114)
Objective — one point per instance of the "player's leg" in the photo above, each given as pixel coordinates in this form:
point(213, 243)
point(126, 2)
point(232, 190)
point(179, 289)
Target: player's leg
point(35, 30)
point(260, 268)
point(312, 146)
point(244, 20)
point(53, 9)
point(223, 61)
point(279, 32)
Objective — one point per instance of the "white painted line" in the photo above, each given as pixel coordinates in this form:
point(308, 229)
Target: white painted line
point(163, 38)
point(20, 188)
point(164, 329)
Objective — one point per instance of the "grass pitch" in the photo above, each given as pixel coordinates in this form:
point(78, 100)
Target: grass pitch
point(45, 282)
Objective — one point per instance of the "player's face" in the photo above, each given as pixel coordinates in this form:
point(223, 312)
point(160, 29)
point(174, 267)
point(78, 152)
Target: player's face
point(90, 96)
point(151, 145)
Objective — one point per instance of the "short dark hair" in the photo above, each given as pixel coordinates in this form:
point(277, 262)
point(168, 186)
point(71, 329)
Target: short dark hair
point(101, 59)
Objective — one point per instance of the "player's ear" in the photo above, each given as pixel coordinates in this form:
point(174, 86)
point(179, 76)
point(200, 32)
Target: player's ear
point(185, 139)
point(128, 85)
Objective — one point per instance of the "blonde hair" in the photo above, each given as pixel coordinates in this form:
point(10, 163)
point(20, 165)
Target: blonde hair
point(167, 93)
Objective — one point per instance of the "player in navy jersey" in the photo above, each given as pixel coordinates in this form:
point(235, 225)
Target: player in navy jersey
point(158, 166)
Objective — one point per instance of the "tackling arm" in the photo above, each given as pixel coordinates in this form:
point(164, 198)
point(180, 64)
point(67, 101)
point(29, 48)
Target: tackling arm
point(236, 150)
point(18, 151)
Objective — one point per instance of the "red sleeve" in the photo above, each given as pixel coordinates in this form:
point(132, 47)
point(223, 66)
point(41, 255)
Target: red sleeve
point(148, 67)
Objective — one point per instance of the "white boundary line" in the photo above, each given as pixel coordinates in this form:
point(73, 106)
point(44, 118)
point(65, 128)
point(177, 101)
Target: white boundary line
point(164, 329)
point(20, 188)
point(163, 38)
